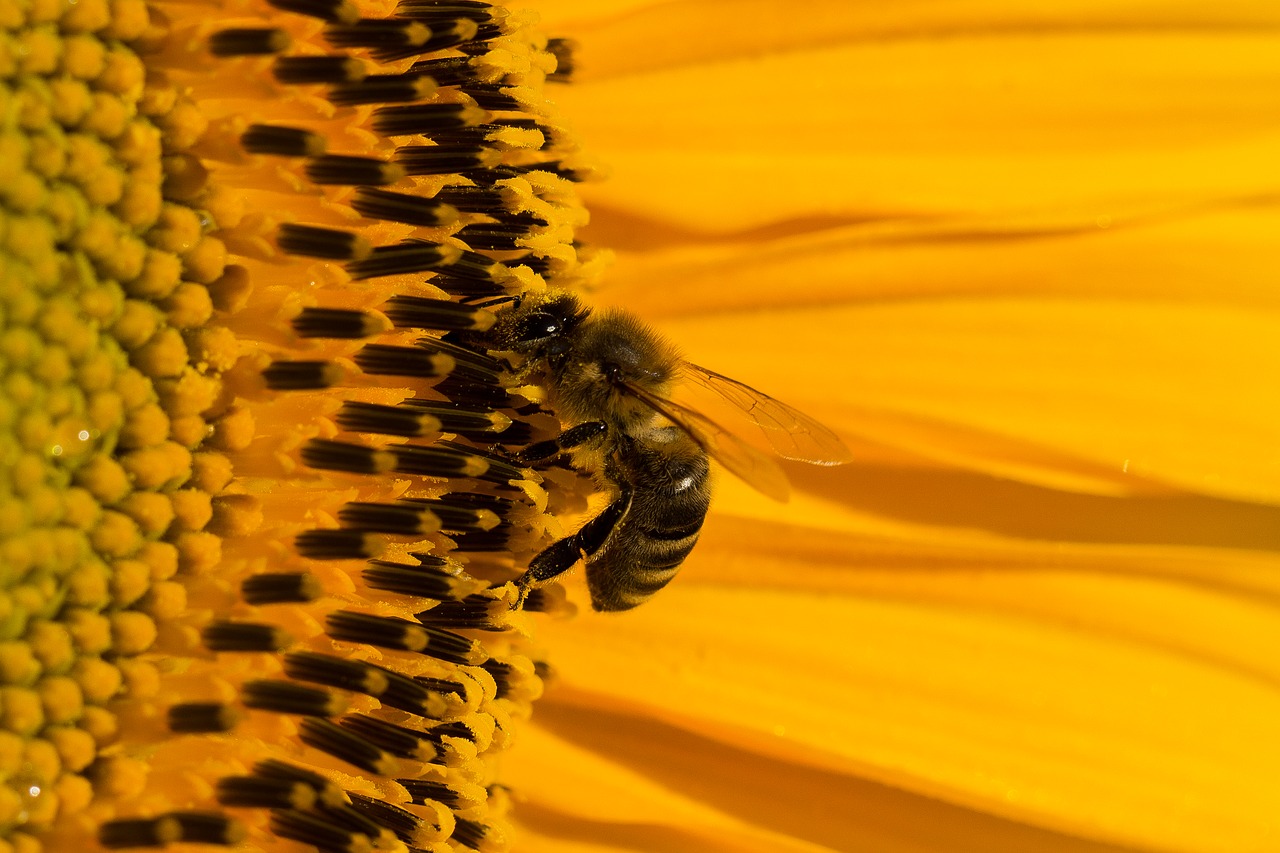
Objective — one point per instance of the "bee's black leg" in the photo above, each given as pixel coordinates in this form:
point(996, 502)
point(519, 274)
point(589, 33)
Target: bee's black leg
point(560, 556)
point(567, 440)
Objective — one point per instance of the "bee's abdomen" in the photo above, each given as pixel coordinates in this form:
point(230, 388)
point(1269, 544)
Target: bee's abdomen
point(671, 495)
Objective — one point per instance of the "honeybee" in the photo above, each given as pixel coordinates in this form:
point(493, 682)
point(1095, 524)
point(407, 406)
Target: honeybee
point(610, 380)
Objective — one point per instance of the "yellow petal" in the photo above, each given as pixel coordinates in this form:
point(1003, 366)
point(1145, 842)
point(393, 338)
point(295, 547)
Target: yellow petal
point(1220, 254)
point(928, 125)
point(631, 36)
point(1018, 717)
point(1175, 395)
point(1210, 603)
point(603, 777)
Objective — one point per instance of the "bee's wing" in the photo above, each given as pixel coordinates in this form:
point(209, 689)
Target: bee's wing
point(753, 467)
point(792, 434)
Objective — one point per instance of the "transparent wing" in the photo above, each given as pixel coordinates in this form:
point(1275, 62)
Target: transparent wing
point(753, 467)
point(792, 434)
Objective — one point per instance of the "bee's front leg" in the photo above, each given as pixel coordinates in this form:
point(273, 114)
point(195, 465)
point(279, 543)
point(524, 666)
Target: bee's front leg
point(561, 555)
point(573, 437)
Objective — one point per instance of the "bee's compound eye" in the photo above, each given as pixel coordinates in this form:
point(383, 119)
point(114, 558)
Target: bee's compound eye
point(539, 327)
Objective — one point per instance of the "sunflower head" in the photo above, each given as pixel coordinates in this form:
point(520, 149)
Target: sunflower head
point(257, 509)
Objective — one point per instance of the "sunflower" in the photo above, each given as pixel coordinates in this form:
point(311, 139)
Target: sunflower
point(1014, 256)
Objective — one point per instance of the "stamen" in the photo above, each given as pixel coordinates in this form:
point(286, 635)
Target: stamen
point(352, 171)
point(302, 375)
point(190, 827)
point(344, 745)
point(387, 420)
point(139, 833)
point(444, 34)
point(408, 827)
point(429, 10)
point(331, 671)
point(391, 633)
point(409, 695)
point(338, 323)
point(456, 516)
point(478, 836)
point(248, 42)
point(443, 314)
point(478, 729)
point(316, 242)
point(486, 541)
point(508, 133)
point(551, 167)
point(192, 717)
point(282, 141)
point(303, 70)
point(342, 456)
point(397, 740)
point(474, 199)
point(318, 832)
point(473, 265)
point(259, 792)
point(408, 257)
point(444, 159)
point(468, 363)
point(441, 460)
point(425, 118)
point(495, 96)
point(418, 418)
point(398, 519)
point(477, 612)
point(208, 828)
point(458, 796)
point(357, 821)
point(337, 544)
point(563, 50)
point(383, 89)
point(326, 791)
point(514, 676)
point(478, 45)
point(420, 581)
point(499, 506)
point(466, 392)
point(244, 637)
point(427, 698)
point(336, 11)
point(469, 289)
point(526, 220)
point(280, 588)
point(398, 207)
point(464, 695)
point(450, 71)
point(389, 360)
point(494, 236)
point(285, 697)
point(378, 33)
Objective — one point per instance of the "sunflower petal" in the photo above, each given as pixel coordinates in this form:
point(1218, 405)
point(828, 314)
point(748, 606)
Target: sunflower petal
point(1175, 395)
point(609, 778)
point(1077, 731)
point(1105, 121)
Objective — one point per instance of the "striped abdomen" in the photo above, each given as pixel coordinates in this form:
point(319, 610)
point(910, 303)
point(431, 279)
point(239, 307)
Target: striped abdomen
point(670, 495)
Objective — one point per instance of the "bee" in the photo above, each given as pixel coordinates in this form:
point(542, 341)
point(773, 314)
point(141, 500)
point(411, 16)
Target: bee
point(610, 380)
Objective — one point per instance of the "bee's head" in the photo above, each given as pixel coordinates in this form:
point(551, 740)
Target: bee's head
point(543, 328)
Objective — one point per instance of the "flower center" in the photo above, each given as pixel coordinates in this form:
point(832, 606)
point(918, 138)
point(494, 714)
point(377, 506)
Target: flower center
point(260, 505)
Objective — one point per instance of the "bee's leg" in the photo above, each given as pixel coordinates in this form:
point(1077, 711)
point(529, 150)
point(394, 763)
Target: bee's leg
point(567, 440)
point(560, 556)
